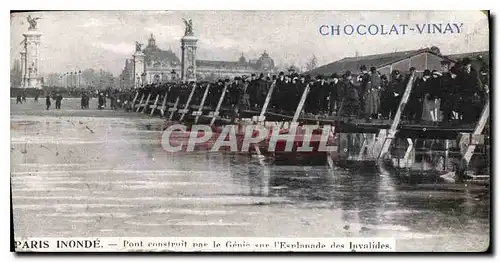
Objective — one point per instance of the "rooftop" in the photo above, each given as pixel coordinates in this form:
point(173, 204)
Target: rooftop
point(379, 60)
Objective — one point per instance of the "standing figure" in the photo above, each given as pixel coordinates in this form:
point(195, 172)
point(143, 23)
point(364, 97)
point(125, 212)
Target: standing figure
point(101, 101)
point(88, 96)
point(58, 101)
point(334, 97)
point(363, 81)
point(47, 101)
point(472, 92)
point(18, 99)
point(351, 104)
point(83, 101)
point(372, 95)
point(413, 109)
point(428, 102)
point(36, 97)
point(24, 96)
point(393, 94)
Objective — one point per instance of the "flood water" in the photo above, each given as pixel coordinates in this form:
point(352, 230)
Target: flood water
point(102, 173)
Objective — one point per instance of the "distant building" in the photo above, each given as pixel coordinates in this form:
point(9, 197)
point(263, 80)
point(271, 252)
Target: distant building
point(421, 59)
point(126, 78)
point(478, 59)
point(164, 65)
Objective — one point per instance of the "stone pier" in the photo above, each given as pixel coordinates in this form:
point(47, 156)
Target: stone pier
point(31, 62)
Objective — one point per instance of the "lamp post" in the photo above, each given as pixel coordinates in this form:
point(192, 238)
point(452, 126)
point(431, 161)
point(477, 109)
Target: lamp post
point(79, 77)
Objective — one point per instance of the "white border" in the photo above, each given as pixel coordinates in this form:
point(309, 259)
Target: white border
point(199, 5)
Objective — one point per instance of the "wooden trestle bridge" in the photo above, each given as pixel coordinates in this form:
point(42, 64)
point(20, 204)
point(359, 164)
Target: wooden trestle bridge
point(391, 141)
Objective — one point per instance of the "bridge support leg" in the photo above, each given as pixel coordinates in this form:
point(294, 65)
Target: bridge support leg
point(154, 105)
point(135, 99)
point(146, 105)
point(173, 109)
point(219, 104)
point(140, 102)
point(164, 104)
point(409, 154)
point(186, 106)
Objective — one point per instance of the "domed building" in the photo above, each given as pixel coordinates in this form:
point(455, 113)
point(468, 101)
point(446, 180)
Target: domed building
point(164, 65)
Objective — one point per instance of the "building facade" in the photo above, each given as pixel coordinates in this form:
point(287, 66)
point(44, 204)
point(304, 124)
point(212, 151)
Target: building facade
point(421, 59)
point(164, 65)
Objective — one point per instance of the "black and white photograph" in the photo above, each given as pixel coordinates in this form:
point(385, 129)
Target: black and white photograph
point(250, 131)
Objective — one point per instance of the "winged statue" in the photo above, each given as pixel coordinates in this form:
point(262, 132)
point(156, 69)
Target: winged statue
point(32, 21)
point(189, 27)
point(138, 46)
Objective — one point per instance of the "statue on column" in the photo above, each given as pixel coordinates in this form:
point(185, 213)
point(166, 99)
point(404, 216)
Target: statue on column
point(32, 21)
point(138, 46)
point(189, 27)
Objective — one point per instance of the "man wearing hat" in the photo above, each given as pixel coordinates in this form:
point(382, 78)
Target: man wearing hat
point(392, 94)
point(413, 108)
point(351, 103)
point(423, 87)
point(372, 95)
point(261, 89)
point(471, 91)
point(323, 89)
point(448, 96)
point(313, 99)
point(335, 95)
point(362, 82)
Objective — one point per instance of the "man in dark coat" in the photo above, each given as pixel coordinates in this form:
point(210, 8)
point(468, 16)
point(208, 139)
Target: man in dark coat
point(334, 96)
point(351, 104)
point(58, 100)
point(279, 86)
point(393, 93)
point(449, 92)
point(83, 101)
point(47, 101)
point(363, 80)
point(261, 86)
point(372, 95)
point(471, 90)
point(101, 101)
point(323, 90)
point(313, 98)
point(235, 91)
point(413, 109)
point(19, 99)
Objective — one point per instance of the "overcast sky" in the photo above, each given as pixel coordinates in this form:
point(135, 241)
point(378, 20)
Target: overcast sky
point(104, 39)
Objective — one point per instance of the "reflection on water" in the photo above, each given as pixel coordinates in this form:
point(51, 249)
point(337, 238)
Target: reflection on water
point(109, 176)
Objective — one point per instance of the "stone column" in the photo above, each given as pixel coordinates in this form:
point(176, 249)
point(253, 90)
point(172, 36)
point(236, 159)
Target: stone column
point(23, 68)
point(33, 79)
point(139, 68)
point(188, 63)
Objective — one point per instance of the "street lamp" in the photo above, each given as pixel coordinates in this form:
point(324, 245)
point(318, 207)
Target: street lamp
point(79, 77)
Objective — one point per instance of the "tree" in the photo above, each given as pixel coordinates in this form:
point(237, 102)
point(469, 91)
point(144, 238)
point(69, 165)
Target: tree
point(312, 63)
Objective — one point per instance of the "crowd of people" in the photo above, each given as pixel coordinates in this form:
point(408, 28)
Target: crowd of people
point(457, 92)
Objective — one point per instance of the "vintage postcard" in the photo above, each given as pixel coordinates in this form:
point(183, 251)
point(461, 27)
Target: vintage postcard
point(250, 131)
